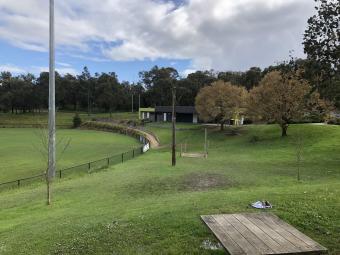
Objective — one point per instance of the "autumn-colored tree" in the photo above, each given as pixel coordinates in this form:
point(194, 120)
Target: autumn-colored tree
point(220, 101)
point(284, 97)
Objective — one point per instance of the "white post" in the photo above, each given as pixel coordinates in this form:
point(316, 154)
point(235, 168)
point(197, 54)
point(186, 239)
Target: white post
point(51, 102)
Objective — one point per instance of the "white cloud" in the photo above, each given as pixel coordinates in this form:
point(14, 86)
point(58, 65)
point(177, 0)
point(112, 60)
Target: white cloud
point(60, 70)
point(11, 68)
point(219, 34)
point(36, 69)
point(186, 72)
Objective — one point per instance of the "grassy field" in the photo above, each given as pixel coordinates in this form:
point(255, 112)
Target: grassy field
point(21, 155)
point(62, 118)
point(148, 207)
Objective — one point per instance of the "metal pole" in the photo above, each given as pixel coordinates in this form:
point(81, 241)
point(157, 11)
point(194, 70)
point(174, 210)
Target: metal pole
point(132, 104)
point(173, 126)
point(138, 101)
point(206, 142)
point(88, 99)
point(51, 105)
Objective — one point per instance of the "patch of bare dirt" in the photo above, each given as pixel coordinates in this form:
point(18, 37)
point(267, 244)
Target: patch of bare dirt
point(188, 182)
point(205, 181)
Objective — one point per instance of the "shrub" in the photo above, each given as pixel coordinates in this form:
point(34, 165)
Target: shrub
point(76, 121)
point(116, 128)
point(334, 121)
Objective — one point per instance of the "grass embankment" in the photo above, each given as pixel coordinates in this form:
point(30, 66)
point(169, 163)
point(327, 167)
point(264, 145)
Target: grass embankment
point(21, 150)
point(63, 119)
point(148, 207)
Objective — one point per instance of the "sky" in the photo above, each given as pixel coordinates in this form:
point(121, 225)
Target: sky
point(128, 36)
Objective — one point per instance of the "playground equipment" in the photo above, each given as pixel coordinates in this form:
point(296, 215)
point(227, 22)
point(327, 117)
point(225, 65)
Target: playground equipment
point(184, 153)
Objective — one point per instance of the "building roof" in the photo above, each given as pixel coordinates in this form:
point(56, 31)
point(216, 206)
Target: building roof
point(147, 109)
point(179, 109)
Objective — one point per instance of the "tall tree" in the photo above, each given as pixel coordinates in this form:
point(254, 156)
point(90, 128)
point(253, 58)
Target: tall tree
point(158, 83)
point(282, 98)
point(220, 101)
point(85, 80)
point(322, 36)
point(322, 46)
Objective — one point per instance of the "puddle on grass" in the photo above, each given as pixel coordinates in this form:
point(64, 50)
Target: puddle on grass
point(210, 245)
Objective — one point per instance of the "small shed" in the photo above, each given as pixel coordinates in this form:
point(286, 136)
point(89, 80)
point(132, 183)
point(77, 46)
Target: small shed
point(185, 114)
point(147, 114)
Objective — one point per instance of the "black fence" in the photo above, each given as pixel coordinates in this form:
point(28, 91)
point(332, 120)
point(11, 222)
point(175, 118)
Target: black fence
point(86, 168)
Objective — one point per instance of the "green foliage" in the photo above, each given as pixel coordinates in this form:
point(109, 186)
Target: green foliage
point(113, 127)
point(322, 37)
point(76, 121)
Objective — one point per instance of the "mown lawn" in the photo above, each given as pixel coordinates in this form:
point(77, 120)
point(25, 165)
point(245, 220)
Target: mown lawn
point(63, 119)
point(22, 152)
point(145, 206)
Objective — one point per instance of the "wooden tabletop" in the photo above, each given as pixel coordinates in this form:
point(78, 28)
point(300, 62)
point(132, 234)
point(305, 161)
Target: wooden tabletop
point(259, 233)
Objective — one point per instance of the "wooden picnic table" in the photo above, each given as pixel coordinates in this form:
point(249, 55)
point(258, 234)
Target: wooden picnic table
point(259, 233)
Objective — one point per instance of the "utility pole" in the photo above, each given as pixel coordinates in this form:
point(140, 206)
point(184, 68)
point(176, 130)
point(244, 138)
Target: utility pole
point(88, 99)
point(132, 103)
point(138, 101)
point(174, 125)
point(51, 109)
point(206, 142)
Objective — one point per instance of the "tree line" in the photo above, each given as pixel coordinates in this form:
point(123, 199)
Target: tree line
point(104, 92)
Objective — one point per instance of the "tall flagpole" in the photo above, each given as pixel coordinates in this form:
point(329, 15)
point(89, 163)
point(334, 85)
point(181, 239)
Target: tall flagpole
point(51, 108)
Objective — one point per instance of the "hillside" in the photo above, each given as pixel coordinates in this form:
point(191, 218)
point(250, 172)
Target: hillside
point(145, 206)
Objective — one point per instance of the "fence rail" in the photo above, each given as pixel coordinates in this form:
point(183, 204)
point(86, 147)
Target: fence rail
point(88, 167)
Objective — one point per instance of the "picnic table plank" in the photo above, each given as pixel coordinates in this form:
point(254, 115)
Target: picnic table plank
point(265, 237)
point(221, 235)
point(236, 235)
point(310, 242)
point(257, 242)
point(285, 239)
point(260, 233)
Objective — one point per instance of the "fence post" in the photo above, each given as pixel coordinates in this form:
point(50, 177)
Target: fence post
point(122, 157)
point(108, 161)
point(60, 174)
point(18, 183)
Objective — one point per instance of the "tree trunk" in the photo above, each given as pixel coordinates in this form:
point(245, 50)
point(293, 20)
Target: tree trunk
point(222, 126)
point(284, 128)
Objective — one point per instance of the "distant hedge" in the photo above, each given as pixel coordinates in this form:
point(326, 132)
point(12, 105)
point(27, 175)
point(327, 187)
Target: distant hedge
point(116, 128)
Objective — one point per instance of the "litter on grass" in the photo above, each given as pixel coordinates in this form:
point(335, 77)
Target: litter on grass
point(261, 205)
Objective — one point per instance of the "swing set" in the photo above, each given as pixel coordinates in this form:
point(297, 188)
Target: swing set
point(185, 154)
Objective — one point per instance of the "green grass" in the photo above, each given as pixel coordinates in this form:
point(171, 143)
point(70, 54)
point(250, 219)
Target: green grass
point(62, 118)
point(145, 206)
point(21, 154)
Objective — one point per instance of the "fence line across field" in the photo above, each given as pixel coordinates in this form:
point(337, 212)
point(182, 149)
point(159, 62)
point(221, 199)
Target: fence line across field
point(86, 167)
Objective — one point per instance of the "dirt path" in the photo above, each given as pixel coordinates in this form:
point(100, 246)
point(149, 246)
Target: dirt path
point(150, 137)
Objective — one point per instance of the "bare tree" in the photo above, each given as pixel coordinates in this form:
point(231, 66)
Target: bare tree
point(62, 145)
